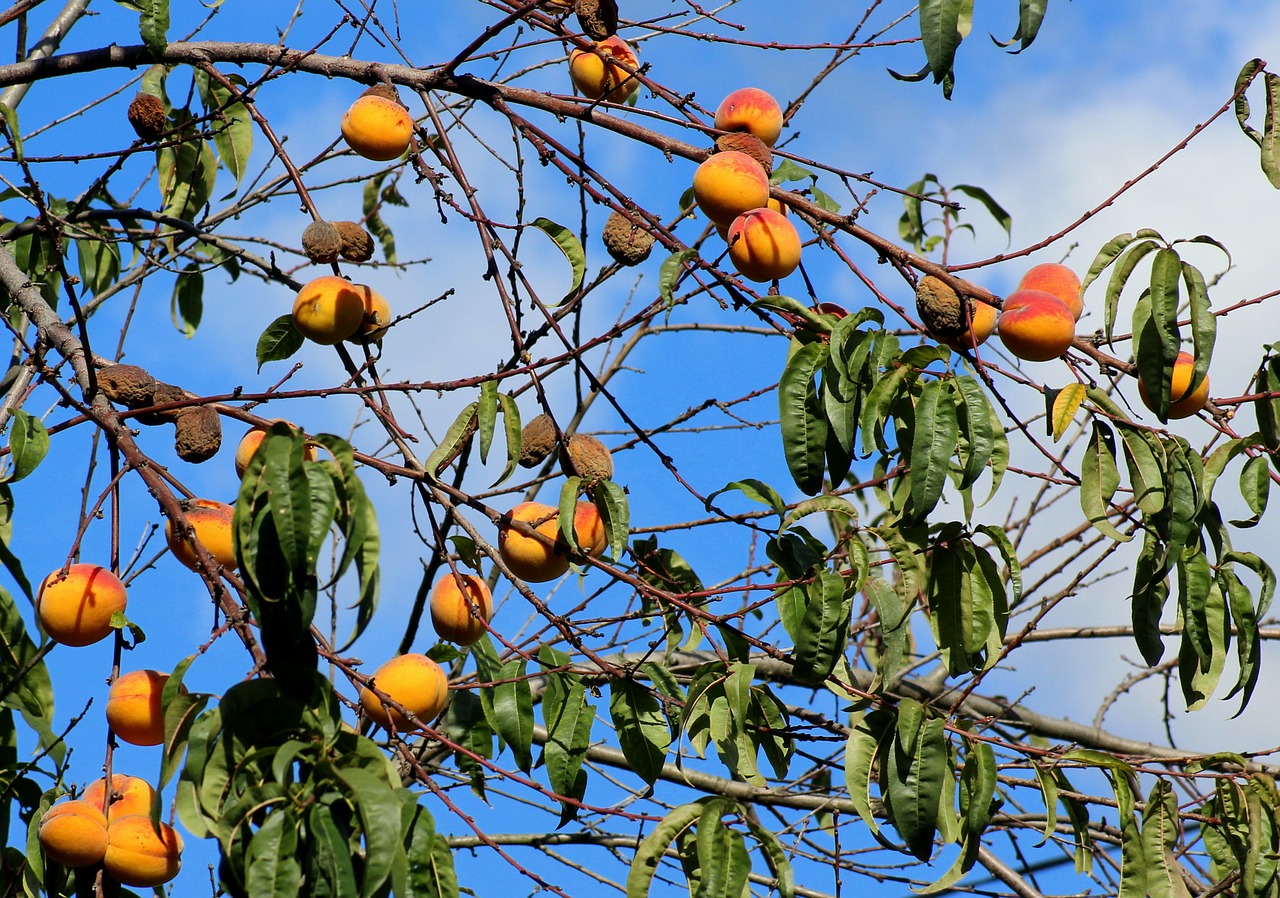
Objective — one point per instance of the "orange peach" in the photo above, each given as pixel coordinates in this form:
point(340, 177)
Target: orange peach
point(133, 707)
point(129, 795)
point(764, 245)
point(598, 76)
point(414, 682)
point(460, 606)
point(73, 833)
point(211, 522)
point(142, 853)
point(588, 529)
point(752, 110)
point(728, 184)
point(1183, 401)
point(528, 558)
point(329, 309)
point(1061, 281)
point(1036, 326)
point(75, 608)
point(982, 324)
point(377, 127)
point(376, 321)
point(248, 447)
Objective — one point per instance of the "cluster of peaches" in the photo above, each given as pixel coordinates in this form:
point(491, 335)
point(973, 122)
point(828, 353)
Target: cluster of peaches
point(1036, 323)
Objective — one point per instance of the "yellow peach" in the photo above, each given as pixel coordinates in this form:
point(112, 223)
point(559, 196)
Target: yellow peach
point(764, 245)
point(133, 707)
point(211, 522)
point(129, 795)
point(376, 320)
point(377, 127)
point(142, 853)
point(460, 606)
point(728, 184)
point(414, 682)
point(752, 110)
point(1036, 326)
point(1184, 402)
point(528, 558)
point(75, 607)
point(73, 833)
point(329, 309)
point(248, 447)
point(1061, 281)
point(598, 76)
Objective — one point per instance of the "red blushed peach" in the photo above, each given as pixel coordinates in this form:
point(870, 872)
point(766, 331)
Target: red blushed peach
point(764, 245)
point(1057, 279)
point(75, 606)
point(728, 184)
point(752, 110)
point(588, 529)
point(1036, 326)
point(597, 75)
point(1183, 401)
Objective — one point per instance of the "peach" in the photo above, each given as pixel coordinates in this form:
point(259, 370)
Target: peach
point(377, 127)
point(211, 522)
point(376, 321)
point(528, 558)
point(460, 606)
point(1183, 401)
point(133, 707)
point(764, 245)
point(1061, 281)
point(752, 110)
point(982, 324)
point(588, 529)
point(414, 682)
point(251, 441)
point(129, 795)
point(1036, 326)
point(73, 833)
point(943, 317)
point(142, 853)
point(330, 309)
point(728, 184)
point(75, 608)
point(598, 76)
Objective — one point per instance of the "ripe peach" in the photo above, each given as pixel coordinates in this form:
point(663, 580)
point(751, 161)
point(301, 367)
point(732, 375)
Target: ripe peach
point(1183, 401)
point(588, 529)
point(460, 605)
point(211, 521)
point(1036, 326)
point(597, 74)
point(249, 444)
point(76, 609)
point(728, 184)
point(377, 128)
point(752, 110)
point(764, 245)
point(1061, 281)
point(133, 707)
point(129, 795)
point(376, 320)
point(529, 558)
point(329, 309)
point(415, 682)
point(74, 833)
point(140, 853)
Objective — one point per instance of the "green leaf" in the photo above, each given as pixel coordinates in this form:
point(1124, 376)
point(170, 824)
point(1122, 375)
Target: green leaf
point(568, 717)
point(642, 729)
point(1099, 479)
point(572, 249)
point(154, 25)
point(28, 444)
point(11, 130)
point(271, 862)
point(913, 774)
point(1266, 141)
point(824, 629)
point(232, 124)
point(647, 857)
point(1144, 457)
point(186, 307)
point(279, 341)
point(722, 855)
point(940, 33)
point(454, 439)
point(935, 436)
point(1160, 842)
point(512, 717)
point(757, 491)
point(804, 424)
point(672, 270)
point(996, 211)
point(511, 430)
point(487, 416)
point(99, 261)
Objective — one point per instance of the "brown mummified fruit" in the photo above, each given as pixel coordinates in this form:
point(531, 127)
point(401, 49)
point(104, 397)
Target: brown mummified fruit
point(743, 142)
point(164, 394)
point(357, 244)
point(597, 18)
point(588, 457)
point(197, 433)
point(386, 91)
point(128, 385)
point(322, 242)
point(146, 115)
point(537, 439)
point(628, 243)
point(939, 308)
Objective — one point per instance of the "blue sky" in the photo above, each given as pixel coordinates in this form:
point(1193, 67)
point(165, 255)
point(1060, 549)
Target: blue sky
point(1105, 90)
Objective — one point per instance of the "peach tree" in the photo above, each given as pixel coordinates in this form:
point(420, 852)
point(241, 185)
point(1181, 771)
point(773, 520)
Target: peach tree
point(748, 508)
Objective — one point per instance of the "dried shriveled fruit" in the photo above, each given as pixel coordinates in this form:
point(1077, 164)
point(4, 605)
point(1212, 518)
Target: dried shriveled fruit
point(197, 433)
point(743, 142)
point(322, 242)
point(357, 244)
point(146, 115)
point(164, 394)
point(627, 243)
point(597, 18)
point(589, 457)
point(384, 90)
point(128, 385)
point(939, 308)
point(537, 439)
